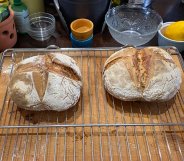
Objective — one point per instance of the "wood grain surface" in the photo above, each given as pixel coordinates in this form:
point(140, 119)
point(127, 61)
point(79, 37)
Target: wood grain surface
point(91, 143)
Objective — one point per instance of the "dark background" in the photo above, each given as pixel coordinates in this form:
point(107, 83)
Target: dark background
point(170, 10)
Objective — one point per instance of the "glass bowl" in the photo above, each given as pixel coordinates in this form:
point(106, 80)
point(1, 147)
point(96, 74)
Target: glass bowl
point(41, 26)
point(132, 24)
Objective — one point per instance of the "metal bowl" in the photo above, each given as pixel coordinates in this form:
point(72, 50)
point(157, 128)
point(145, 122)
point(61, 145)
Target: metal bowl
point(133, 24)
point(41, 26)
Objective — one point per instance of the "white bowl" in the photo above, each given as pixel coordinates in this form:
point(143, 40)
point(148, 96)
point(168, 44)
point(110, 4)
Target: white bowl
point(164, 41)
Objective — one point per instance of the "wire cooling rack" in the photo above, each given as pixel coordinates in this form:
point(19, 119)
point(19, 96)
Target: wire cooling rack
point(99, 127)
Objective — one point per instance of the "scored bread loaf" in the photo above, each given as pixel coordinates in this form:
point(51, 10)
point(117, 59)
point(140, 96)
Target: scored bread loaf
point(46, 82)
point(147, 74)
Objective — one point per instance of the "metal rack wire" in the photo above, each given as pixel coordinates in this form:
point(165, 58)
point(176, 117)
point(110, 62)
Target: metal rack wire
point(99, 127)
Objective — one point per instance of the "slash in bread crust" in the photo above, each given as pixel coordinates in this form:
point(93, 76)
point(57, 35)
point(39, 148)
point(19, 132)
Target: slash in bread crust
point(147, 74)
point(46, 82)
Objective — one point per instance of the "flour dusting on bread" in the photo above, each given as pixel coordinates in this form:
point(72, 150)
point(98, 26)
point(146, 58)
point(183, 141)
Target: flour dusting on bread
point(147, 74)
point(46, 82)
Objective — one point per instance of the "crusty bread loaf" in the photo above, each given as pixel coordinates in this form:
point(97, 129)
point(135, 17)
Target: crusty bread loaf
point(147, 74)
point(46, 82)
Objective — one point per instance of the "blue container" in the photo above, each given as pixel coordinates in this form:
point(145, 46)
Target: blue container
point(81, 43)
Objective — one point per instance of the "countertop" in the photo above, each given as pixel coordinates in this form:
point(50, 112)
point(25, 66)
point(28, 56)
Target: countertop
point(170, 10)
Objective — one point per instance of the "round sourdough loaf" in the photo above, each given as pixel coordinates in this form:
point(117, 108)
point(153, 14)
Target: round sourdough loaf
point(147, 74)
point(46, 82)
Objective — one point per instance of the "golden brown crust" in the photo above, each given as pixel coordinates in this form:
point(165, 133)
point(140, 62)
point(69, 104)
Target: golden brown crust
point(139, 63)
point(50, 65)
point(126, 54)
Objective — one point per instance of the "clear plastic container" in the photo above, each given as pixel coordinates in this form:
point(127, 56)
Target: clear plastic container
point(41, 26)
